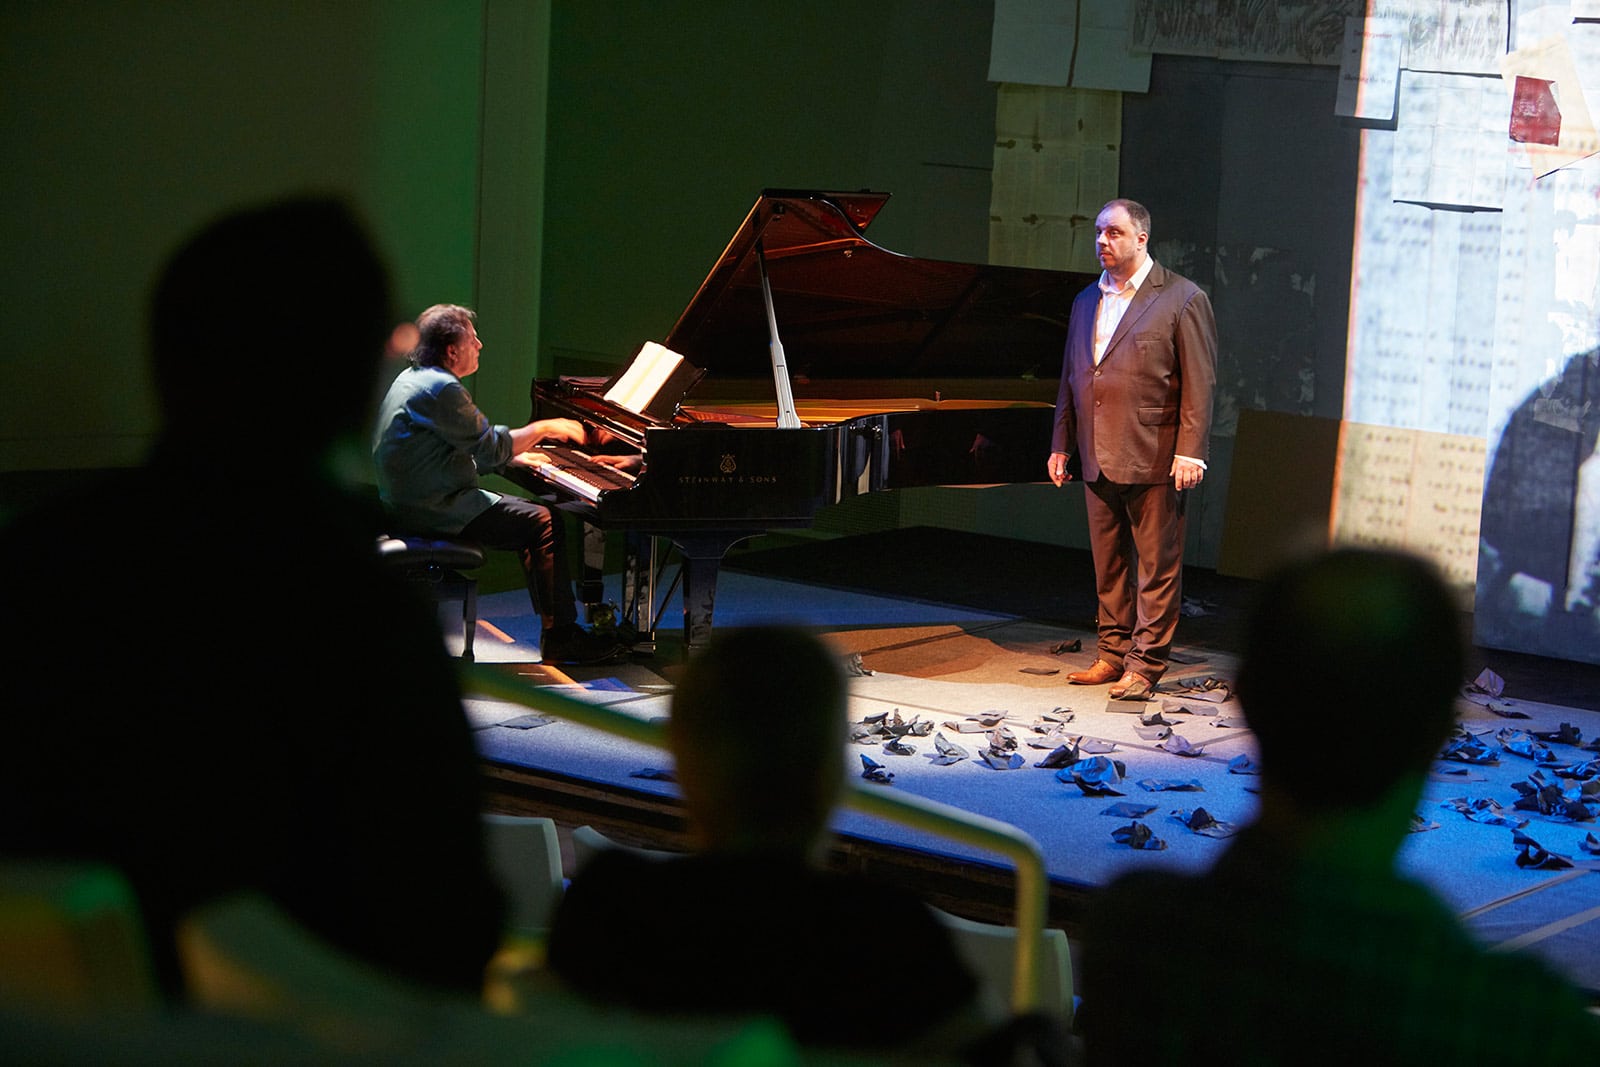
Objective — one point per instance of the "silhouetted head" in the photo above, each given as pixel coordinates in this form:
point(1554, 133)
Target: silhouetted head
point(1346, 635)
point(758, 735)
point(289, 289)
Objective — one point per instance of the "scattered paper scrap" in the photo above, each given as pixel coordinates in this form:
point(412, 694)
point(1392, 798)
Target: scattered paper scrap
point(1484, 810)
point(873, 771)
point(1095, 776)
point(1171, 785)
point(1137, 835)
point(1534, 856)
point(1202, 822)
point(947, 752)
point(526, 722)
point(1243, 764)
point(1127, 809)
point(855, 668)
point(1565, 734)
point(1464, 747)
point(1521, 743)
point(1179, 745)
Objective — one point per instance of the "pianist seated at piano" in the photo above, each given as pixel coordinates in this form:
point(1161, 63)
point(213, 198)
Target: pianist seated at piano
point(431, 445)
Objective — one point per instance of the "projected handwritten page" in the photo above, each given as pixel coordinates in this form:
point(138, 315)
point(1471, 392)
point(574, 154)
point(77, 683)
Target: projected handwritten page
point(1462, 36)
point(1280, 33)
point(1369, 71)
point(1450, 140)
point(1081, 43)
point(1410, 489)
point(1422, 309)
point(1055, 162)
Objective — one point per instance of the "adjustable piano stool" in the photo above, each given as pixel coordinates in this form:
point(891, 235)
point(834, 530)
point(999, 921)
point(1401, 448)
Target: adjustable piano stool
point(436, 566)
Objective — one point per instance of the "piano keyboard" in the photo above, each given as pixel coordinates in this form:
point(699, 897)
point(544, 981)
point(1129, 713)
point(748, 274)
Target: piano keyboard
point(577, 473)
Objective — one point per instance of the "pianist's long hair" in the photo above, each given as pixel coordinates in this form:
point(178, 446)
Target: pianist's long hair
point(440, 327)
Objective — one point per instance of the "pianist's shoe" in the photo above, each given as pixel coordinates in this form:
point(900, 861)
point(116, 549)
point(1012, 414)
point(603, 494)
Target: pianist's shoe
point(571, 644)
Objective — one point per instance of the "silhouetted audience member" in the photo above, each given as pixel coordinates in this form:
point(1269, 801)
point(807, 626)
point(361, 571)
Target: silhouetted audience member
point(1303, 944)
point(750, 922)
point(211, 682)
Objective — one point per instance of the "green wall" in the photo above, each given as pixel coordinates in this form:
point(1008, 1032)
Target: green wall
point(667, 119)
point(126, 125)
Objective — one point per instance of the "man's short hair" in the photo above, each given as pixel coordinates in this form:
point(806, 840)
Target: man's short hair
point(439, 327)
point(758, 722)
point(1350, 632)
point(1136, 211)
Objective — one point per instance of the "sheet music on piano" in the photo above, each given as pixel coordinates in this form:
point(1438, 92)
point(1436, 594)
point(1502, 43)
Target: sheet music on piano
point(653, 382)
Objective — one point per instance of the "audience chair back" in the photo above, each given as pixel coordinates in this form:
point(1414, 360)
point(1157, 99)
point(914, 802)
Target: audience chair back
point(587, 842)
point(990, 950)
point(525, 855)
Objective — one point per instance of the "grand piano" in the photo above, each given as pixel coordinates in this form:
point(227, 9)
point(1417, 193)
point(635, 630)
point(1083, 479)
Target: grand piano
point(816, 366)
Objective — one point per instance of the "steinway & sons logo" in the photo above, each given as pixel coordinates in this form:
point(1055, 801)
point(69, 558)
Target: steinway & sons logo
point(727, 473)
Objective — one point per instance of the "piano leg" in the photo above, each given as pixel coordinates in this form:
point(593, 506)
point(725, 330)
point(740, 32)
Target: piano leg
point(639, 588)
point(702, 561)
point(592, 589)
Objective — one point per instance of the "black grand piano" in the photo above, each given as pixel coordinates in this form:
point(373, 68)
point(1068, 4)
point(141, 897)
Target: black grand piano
point(815, 366)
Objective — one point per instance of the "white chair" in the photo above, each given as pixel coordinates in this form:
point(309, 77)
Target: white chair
point(587, 841)
point(989, 949)
point(525, 856)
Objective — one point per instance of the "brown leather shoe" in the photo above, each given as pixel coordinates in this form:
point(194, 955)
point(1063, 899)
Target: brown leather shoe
point(1099, 674)
point(1132, 686)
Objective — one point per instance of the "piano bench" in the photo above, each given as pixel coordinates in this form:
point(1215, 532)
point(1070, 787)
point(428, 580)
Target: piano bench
point(437, 565)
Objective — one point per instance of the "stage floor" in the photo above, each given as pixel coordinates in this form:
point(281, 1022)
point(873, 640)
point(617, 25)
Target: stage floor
point(952, 664)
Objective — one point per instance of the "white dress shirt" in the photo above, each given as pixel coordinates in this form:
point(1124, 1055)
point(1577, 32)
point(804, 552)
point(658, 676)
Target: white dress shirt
point(1114, 301)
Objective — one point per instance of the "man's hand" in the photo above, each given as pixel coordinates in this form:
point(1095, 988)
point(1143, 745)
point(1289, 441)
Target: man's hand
point(528, 459)
point(568, 431)
point(1057, 466)
point(629, 463)
point(1186, 473)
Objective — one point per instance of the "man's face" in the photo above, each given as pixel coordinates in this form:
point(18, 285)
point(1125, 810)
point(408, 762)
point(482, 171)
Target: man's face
point(462, 357)
point(1119, 243)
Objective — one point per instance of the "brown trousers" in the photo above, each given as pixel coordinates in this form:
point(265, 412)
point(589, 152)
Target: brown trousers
point(1136, 535)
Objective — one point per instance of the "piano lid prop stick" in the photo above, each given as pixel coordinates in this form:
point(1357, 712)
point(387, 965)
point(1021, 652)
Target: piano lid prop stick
point(788, 419)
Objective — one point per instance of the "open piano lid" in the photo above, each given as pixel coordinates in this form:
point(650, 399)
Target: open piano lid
point(848, 309)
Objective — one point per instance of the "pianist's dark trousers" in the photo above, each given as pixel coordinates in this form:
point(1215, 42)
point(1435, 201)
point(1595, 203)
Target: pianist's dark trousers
point(539, 540)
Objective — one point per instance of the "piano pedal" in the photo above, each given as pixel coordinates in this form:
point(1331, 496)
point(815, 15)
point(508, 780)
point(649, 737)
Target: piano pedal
point(607, 618)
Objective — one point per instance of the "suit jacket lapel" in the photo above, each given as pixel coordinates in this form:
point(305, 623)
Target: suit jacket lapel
point(1140, 303)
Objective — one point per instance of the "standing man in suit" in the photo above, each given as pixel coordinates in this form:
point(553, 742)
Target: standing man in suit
point(1134, 415)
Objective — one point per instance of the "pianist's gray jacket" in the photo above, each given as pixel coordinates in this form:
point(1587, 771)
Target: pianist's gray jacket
point(430, 444)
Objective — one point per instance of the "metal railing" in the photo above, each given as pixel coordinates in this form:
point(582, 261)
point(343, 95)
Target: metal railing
point(929, 816)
